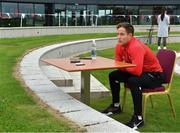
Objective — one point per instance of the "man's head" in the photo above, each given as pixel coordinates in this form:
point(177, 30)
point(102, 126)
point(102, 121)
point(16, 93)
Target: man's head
point(125, 32)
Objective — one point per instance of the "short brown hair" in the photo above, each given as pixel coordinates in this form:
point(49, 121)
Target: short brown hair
point(129, 28)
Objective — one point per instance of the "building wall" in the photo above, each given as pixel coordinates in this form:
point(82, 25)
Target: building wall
point(41, 31)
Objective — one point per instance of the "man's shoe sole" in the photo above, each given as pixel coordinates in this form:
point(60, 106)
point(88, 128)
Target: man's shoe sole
point(139, 125)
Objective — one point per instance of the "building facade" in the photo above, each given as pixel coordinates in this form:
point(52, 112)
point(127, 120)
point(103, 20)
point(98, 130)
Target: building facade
point(27, 13)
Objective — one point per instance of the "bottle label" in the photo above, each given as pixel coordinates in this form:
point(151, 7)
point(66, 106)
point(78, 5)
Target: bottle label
point(93, 54)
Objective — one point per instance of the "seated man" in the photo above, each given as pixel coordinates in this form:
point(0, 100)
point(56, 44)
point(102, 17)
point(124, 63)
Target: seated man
point(147, 74)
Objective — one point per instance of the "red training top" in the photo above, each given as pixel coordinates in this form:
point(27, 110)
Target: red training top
point(136, 52)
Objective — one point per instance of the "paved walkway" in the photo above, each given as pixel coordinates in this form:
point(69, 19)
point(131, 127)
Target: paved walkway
point(59, 100)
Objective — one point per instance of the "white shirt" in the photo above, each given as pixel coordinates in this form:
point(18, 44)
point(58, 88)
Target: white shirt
point(163, 26)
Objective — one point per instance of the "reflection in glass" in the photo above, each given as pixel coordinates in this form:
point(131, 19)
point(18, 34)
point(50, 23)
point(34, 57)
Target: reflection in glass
point(70, 15)
point(28, 11)
point(92, 15)
point(33, 14)
point(119, 14)
point(145, 13)
point(80, 15)
point(76, 15)
point(132, 12)
point(60, 15)
point(10, 16)
point(39, 15)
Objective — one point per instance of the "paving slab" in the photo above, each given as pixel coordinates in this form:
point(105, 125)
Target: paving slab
point(110, 127)
point(88, 117)
point(54, 96)
point(38, 82)
point(44, 88)
point(69, 105)
point(34, 77)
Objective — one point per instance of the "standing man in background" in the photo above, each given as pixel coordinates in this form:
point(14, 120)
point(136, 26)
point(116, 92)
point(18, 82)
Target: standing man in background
point(163, 28)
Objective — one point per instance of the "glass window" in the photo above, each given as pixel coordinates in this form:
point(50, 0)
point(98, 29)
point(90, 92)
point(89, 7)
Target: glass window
point(108, 12)
point(59, 7)
point(70, 15)
point(173, 12)
point(132, 12)
point(178, 10)
point(119, 14)
point(10, 16)
point(60, 16)
point(101, 13)
point(9, 8)
point(39, 14)
point(76, 15)
point(81, 15)
point(105, 15)
point(177, 17)
point(92, 15)
point(27, 12)
point(92, 8)
point(26, 8)
point(101, 17)
point(145, 13)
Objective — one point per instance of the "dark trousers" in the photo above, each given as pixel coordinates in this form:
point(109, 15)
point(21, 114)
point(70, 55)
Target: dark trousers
point(164, 41)
point(136, 85)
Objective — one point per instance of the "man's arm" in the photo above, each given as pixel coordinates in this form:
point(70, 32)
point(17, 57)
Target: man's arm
point(118, 52)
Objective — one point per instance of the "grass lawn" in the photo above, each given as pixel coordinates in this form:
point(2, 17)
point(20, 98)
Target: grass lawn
point(18, 110)
point(158, 119)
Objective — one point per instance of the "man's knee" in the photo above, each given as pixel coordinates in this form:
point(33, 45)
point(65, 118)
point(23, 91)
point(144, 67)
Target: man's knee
point(113, 74)
point(133, 82)
point(110, 75)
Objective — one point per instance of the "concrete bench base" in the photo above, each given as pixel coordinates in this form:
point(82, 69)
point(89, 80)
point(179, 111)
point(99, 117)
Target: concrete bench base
point(62, 82)
point(58, 76)
point(70, 82)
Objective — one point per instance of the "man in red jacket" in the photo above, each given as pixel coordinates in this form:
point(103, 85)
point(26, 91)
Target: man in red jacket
point(147, 73)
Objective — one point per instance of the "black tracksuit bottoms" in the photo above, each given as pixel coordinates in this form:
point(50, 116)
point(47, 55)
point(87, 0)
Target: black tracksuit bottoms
point(136, 85)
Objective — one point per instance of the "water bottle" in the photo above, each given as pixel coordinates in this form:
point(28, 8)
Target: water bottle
point(93, 50)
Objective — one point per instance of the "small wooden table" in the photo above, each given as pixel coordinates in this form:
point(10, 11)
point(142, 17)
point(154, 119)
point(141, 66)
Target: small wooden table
point(99, 63)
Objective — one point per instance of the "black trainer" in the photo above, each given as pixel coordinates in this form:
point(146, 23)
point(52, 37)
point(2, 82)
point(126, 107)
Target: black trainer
point(111, 110)
point(135, 122)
